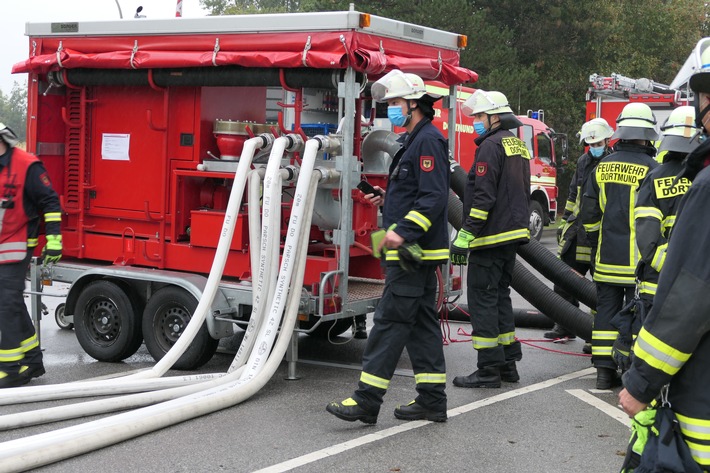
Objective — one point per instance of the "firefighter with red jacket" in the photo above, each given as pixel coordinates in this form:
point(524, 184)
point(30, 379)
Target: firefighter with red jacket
point(608, 218)
point(415, 244)
point(673, 346)
point(573, 245)
point(26, 191)
point(496, 218)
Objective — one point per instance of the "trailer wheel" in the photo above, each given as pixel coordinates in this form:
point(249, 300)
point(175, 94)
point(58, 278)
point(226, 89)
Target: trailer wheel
point(537, 220)
point(165, 317)
point(61, 319)
point(106, 322)
point(328, 329)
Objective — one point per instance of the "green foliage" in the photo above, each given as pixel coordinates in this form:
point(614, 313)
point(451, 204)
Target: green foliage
point(13, 109)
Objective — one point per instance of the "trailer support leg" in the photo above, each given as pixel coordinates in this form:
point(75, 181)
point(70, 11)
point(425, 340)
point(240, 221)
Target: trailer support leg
point(292, 357)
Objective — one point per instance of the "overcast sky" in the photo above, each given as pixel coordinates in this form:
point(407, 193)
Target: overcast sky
point(15, 45)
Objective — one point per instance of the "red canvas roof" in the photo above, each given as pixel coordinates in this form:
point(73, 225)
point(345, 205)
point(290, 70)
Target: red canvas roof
point(371, 54)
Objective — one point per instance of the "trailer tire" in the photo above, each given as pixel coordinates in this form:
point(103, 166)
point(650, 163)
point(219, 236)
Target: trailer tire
point(537, 220)
point(106, 322)
point(165, 317)
point(60, 318)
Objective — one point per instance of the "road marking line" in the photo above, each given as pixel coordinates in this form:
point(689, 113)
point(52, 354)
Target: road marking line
point(374, 437)
point(606, 408)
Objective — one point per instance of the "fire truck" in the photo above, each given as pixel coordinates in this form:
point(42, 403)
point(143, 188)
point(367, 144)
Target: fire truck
point(607, 96)
point(547, 148)
point(149, 128)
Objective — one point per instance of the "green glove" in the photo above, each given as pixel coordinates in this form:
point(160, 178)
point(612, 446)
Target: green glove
point(410, 256)
point(52, 251)
point(460, 247)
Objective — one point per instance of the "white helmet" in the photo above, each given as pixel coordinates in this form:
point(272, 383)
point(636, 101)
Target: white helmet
point(700, 81)
point(8, 136)
point(492, 103)
point(679, 130)
point(397, 84)
point(595, 130)
point(636, 122)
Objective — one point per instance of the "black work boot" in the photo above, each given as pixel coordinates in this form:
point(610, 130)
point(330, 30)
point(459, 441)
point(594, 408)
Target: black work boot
point(558, 331)
point(350, 410)
point(509, 373)
point(607, 378)
point(414, 411)
point(488, 377)
point(360, 328)
point(32, 371)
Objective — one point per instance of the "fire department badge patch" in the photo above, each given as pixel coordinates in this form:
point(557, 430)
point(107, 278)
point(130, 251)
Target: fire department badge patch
point(45, 179)
point(426, 163)
point(481, 169)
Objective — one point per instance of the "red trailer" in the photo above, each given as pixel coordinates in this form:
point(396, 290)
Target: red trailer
point(140, 123)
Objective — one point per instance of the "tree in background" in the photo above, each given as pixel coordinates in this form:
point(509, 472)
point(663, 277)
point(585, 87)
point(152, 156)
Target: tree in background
point(13, 109)
point(541, 54)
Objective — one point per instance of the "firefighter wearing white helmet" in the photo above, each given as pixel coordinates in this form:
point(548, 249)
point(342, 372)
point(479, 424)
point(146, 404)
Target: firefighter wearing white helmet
point(673, 346)
point(26, 195)
point(415, 244)
point(608, 218)
point(573, 245)
point(495, 222)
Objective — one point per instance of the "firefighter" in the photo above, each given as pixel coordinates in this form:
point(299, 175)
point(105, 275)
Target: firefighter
point(574, 248)
point(673, 346)
point(26, 191)
point(658, 199)
point(608, 218)
point(415, 215)
point(496, 217)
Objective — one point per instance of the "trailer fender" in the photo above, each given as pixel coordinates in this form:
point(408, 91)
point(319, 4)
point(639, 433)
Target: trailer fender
point(146, 281)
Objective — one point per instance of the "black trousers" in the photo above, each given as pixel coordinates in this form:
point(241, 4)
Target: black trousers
point(610, 300)
point(569, 257)
point(18, 341)
point(490, 271)
point(405, 317)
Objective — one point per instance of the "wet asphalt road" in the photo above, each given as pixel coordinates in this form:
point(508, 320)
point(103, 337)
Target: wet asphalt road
point(551, 421)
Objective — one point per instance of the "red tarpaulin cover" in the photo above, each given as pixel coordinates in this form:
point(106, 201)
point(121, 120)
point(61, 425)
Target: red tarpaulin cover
point(373, 55)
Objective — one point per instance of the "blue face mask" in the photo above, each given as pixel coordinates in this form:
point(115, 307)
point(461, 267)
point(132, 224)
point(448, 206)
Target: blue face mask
point(394, 113)
point(479, 128)
point(597, 152)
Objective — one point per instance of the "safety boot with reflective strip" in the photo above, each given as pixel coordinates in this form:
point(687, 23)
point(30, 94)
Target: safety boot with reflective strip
point(350, 411)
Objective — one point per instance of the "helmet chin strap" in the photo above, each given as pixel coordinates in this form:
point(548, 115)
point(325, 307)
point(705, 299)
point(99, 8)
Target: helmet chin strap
point(409, 113)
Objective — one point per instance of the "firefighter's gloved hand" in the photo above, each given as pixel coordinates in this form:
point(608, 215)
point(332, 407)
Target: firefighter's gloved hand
point(460, 247)
point(410, 256)
point(621, 352)
point(52, 251)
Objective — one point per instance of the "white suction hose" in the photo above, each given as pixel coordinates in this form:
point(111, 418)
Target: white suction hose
point(269, 247)
point(113, 386)
point(220, 259)
point(34, 451)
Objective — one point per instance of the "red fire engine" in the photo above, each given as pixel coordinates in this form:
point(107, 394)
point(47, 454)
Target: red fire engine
point(547, 148)
point(607, 96)
point(142, 125)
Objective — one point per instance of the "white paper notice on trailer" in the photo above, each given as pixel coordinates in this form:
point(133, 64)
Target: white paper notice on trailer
point(114, 146)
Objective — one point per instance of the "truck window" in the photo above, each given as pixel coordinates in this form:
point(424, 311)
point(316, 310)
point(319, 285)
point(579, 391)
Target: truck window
point(544, 148)
point(525, 133)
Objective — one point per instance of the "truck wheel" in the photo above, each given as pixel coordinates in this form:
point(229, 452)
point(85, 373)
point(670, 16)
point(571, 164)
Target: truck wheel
point(537, 220)
point(61, 319)
point(165, 317)
point(106, 322)
point(328, 329)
